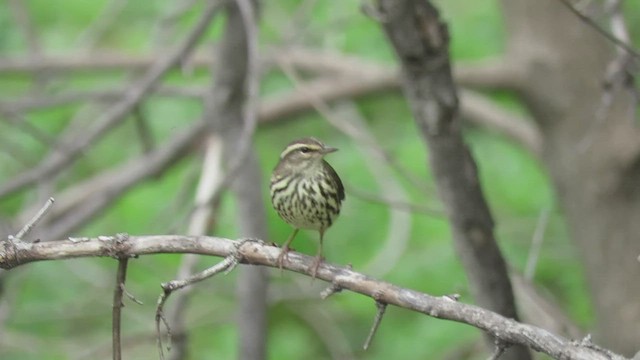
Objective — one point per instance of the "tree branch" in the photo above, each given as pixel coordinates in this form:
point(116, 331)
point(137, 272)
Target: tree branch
point(421, 41)
point(114, 114)
point(258, 253)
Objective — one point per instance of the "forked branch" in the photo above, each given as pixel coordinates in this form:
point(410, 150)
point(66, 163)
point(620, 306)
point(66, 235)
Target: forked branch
point(504, 330)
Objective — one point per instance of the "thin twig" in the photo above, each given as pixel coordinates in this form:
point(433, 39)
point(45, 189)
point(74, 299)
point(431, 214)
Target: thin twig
point(397, 204)
point(143, 130)
point(501, 347)
point(104, 21)
point(166, 25)
point(376, 323)
point(14, 119)
point(32, 223)
point(536, 243)
point(121, 277)
point(83, 203)
point(200, 223)
point(171, 286)
point(116, 113)
point(599, 30)
point(333, 288)
point(322, 107)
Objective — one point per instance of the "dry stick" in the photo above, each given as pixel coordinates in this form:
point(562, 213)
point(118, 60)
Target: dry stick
point(143, 130)
point(377, 160)
point(587, 20)
point(499, 350)
point(481, 110)
point(258, 253)
point(226, 265)
point(14, 119)
point(376, 323)
point(121, 277)
point(104, 21)
point(119, 290)
point(200, 223)
point(15, 151)
point(117, 113)
point(475, 107)
point(166, 25)
point(33, 103)
point(536, 243)
point(211, 197)
point(83, 203)
point(34, 221)
point(618, 75)
point(241, 41)
point(398, 204)
point(34, 44)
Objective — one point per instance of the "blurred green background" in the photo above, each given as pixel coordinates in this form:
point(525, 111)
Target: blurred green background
point(62, 310)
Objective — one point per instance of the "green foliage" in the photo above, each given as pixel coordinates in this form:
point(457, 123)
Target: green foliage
point(59, 309)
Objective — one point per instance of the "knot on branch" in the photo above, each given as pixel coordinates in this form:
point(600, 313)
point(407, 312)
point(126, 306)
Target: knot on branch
point(237, 256)
point(117, 246)
point(9, 254)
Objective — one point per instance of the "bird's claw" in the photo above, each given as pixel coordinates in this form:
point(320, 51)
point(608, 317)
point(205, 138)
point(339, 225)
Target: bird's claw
point(284, 254)
point(315, 265)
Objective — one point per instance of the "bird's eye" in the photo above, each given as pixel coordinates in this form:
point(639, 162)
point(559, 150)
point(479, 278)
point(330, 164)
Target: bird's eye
point(304, 150)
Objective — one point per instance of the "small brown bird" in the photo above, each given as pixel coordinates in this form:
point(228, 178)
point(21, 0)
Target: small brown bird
point(306, 191)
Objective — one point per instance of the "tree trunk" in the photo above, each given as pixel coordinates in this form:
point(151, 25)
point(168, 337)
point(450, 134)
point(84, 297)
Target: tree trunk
point(594, 168)
point(421, 41)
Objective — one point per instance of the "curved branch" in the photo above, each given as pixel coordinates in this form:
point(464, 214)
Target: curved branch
point(115, 114)
point(503, 329)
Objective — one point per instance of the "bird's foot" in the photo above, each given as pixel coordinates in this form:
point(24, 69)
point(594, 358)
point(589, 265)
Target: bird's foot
point(315, 265)
point(284, 254)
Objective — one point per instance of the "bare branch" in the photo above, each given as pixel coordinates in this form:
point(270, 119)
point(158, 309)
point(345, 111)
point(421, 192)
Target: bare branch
point(81, 203)
point(115, 114)
point(482, 111)
point(501, 73)
point(397, 204)
point(105, 20)
point(143, 130)
point(587, 20)
point(34, 221)
point(500, 349)
point(536, 243)
point(376, 323)
point(200, 223)
point(421, 41)
point(258, 253)
point(121, 277)
point(168, 288)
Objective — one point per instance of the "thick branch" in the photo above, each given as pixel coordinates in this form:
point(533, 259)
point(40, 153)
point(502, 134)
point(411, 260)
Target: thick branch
point(253, 252)
point(421, 41)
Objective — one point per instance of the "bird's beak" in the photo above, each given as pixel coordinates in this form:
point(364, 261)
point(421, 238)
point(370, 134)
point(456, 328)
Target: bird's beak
point(327, 150)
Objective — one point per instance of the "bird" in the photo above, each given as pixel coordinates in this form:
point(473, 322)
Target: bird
point(306, 192)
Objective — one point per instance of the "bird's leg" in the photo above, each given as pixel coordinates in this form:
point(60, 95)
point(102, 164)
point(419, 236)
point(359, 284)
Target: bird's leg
point(318, 259)
point(285, 248)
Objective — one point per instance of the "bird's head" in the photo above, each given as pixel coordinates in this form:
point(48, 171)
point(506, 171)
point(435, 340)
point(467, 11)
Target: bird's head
point(305, 154)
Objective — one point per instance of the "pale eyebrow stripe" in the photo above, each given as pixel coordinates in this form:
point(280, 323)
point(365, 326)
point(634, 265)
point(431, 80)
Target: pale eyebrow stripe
point(294, 147)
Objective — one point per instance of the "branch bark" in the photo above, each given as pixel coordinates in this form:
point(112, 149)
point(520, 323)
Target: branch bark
point(565, 62)
point(256, 252)
point(234, 116)
point(421, 41)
